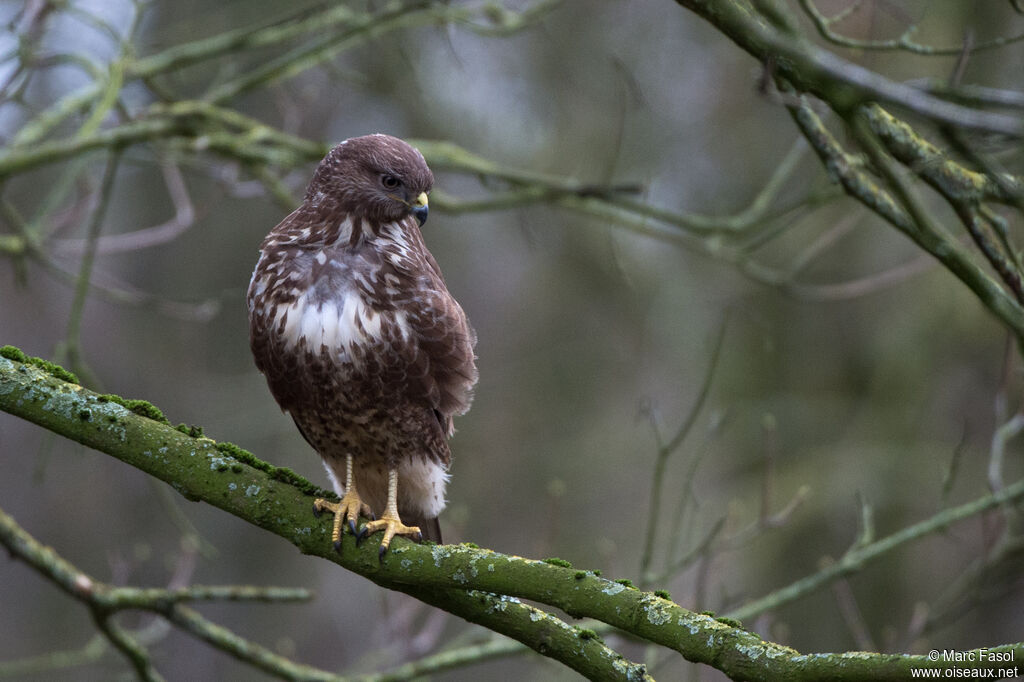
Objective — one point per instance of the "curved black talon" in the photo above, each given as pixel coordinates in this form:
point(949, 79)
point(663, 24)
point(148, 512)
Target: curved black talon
point(316, 510)
point(362, 536)
point(337, 546)
point(352, 526)
point(380, 554)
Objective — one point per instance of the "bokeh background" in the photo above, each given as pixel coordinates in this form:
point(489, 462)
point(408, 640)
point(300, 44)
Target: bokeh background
point(594, 341)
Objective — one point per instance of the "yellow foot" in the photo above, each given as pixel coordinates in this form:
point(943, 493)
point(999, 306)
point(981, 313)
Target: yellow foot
point(392, 526)
point(350, 508)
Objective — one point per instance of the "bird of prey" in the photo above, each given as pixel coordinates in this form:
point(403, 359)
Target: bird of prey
point(361, 343)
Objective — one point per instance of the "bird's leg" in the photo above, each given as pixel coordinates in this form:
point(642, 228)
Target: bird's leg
point(389, 521)
point(350, 507)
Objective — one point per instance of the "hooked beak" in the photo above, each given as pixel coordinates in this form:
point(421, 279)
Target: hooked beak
point(419, 208)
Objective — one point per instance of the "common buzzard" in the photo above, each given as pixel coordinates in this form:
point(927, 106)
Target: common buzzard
point(360, 342)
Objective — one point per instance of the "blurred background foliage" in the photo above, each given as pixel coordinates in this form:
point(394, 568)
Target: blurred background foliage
point(593, 339)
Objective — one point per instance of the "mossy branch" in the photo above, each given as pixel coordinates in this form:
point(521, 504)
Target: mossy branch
point(479, 585)
point(281, 502)
point(903, 211)
point(843, 84)
point(800, 68)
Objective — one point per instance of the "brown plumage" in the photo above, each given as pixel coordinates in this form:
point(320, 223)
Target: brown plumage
point(360, 342)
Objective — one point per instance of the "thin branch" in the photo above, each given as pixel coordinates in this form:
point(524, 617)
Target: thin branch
point(969, 94)
point(496, 647)
point(70, 347)
point(859, 286)
point(303, 22)
point(858, 557)
point(533, 187)
point(666, 450)
point(90, 652)
point(244, 650)
point(842, 84)
point(127, 645)
point(846, 600)
point(903, 211)
point(359, 29)
point(1004, 433)
point(122, 293)
point(699, 550)
point(948, 178)
point(904, 42)
point(105, 601)
point(184, 217)
point(974, 578)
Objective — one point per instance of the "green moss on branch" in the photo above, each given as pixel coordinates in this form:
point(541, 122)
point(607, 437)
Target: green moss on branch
point(14, 353)
point(479, 585)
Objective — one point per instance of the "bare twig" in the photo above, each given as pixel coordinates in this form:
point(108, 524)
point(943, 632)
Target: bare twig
point(184, 217)
point(70, 347)
point(665, 451)
point(106, 601)
point(858, 557)
point(904, 42)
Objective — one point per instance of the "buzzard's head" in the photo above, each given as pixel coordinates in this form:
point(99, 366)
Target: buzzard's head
point(378, 178)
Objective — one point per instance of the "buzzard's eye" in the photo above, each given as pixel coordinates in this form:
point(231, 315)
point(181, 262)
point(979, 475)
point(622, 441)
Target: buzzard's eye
point(389, 181)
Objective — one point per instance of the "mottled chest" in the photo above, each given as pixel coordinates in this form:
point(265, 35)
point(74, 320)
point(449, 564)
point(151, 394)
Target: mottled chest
point(330, 300)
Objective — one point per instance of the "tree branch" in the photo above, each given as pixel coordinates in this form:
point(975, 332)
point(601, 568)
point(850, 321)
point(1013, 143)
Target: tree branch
point(903, 211)
point(904, 42)
point(281, 502)
point(479, 585)
point(843, 84)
